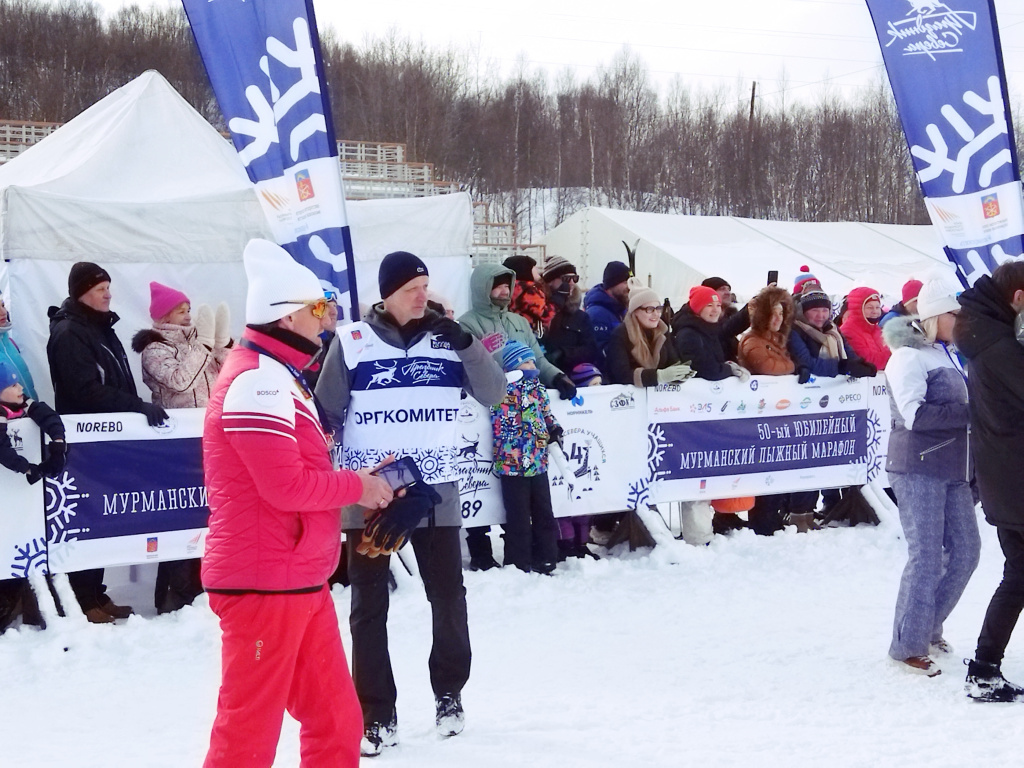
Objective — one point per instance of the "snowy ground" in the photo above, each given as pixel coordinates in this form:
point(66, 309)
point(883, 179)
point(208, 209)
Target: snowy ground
point(750, 652)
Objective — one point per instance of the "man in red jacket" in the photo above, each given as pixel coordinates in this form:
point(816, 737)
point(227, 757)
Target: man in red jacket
point(275, 532)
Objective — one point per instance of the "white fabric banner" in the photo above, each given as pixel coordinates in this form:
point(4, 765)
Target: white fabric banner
point(22, 535)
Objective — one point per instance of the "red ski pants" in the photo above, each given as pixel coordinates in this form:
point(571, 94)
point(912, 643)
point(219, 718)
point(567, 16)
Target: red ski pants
point(283, 652)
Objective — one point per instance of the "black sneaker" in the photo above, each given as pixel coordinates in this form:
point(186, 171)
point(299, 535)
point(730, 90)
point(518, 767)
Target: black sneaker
point(450, 717)
point(377, 736)
point(985, 682)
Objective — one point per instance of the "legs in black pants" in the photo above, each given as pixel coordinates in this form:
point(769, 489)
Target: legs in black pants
point(89, 588)
point(1007, 602)
point(531, 534)
point(438, 554)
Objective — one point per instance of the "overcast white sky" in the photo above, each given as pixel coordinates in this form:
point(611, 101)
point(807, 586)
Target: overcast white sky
point(725, 43)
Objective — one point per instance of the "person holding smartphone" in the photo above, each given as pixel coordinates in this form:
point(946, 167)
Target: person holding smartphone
point(391, 386)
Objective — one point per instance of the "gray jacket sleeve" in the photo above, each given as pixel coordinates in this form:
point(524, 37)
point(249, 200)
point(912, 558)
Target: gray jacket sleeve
point(333, 389)
point(483, 379)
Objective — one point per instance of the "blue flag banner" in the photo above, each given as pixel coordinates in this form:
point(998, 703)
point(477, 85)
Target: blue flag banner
point(945, 66)
point(263, 59)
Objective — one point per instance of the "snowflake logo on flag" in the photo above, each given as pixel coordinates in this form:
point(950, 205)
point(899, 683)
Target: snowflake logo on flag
point(874, 458)
point(268, 112)
point(656, 445)
point(940, 159)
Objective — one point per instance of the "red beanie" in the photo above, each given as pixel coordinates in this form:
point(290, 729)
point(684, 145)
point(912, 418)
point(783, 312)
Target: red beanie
point(701, 296)
point(163, 299)
point(910, 290)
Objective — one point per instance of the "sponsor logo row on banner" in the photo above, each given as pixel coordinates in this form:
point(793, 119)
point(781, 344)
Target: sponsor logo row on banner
point(132, 493)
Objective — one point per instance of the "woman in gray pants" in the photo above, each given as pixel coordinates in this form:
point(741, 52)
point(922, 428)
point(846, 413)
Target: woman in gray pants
point(929, 468)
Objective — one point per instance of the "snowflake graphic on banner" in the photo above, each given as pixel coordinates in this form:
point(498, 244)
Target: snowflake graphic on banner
point(639, 494)
point(874, 457)
point(61, 508)
point(971, 146)
point(269, 112)
point(656, 445)
point(28, 557)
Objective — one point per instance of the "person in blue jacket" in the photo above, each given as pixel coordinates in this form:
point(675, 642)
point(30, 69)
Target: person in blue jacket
point(10, 353)
point(606, 303)
point(816, 345)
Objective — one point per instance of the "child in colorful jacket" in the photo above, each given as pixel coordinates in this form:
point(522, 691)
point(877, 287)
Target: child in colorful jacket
point(523, 427)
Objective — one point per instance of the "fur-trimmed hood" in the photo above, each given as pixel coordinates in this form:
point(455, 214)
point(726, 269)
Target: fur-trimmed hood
point(761, 310)
point(904, 331)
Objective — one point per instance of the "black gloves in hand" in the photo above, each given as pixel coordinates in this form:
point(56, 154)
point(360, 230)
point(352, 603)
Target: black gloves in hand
point(565, 387)
point(154, 414)
point(803, 375)
point(450, 331)
point(389, 528)
point(52, 465)
point(555, 436)
point(860, 368)
point(34, 474)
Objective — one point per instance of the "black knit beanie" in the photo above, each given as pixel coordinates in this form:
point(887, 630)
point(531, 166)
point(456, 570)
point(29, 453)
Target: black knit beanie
point(522, 265)
point(397, 269)
point(615, 273)
point(714, 283)
point(85, 276)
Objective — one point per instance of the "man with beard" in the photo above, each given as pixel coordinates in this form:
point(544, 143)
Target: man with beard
point(569, 340)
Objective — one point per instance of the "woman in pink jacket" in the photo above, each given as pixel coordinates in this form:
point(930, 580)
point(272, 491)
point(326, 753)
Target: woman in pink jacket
point(180, 363)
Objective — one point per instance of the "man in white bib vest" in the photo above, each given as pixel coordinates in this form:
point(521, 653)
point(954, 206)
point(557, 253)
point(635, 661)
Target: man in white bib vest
point(391, 384)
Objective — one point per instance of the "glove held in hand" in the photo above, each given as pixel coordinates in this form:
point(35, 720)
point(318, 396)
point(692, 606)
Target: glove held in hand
point(678, 372)
point(390, 527)
point(566, 389)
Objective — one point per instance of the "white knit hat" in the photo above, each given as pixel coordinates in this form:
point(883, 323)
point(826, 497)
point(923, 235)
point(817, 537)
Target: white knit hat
point(278, 284)
point(937, 297)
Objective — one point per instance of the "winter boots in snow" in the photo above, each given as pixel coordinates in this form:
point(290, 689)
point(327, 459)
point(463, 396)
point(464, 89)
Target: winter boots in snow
point(985, 682)
point(450, 717)
point(377, 736)
point(920, 665)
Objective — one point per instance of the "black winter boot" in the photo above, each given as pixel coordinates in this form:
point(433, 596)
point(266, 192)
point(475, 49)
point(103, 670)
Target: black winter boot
point(985, 682)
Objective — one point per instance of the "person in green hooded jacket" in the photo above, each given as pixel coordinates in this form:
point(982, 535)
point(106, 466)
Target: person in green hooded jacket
point(490, 320)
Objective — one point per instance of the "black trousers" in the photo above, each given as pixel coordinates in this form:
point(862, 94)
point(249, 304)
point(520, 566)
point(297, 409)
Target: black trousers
point(1007, 602)
point(531, 533)
point(766, 517)
point(89, 588)
point(439, 556)
point(177, 584)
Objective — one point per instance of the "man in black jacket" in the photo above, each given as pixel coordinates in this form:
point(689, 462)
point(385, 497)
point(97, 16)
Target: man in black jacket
point(90, 374)
point(984, 333)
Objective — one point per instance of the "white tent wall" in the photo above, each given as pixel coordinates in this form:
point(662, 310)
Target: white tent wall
point(676, 252)
point(439, 228)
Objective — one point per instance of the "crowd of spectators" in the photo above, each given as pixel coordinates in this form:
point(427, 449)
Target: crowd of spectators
point(535, 323)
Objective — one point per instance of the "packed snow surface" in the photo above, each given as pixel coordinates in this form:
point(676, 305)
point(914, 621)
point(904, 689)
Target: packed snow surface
point(749, 652)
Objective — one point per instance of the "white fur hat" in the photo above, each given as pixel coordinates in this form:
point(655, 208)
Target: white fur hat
point(278, 284)
point(937, 297)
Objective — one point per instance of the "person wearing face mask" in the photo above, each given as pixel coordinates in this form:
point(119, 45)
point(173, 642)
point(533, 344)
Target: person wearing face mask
point(861, 329)
point(930, 469)
point(569, 340)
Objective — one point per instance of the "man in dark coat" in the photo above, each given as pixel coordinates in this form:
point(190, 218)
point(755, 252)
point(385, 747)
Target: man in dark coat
point(984, 333)
point(90, 374)
point(569, 340)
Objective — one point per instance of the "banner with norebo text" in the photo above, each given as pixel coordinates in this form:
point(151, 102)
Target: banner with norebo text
point(946, 70)
point(263, 59)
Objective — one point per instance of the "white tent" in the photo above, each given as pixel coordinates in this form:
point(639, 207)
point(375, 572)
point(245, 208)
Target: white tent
point(141, 184)
point(676, 252)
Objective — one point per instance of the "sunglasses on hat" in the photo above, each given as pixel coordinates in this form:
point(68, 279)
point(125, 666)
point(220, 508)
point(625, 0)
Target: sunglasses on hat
point(317, 307)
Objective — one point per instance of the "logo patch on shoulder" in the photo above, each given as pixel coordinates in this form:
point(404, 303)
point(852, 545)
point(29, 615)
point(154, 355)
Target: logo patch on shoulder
point(357, 335)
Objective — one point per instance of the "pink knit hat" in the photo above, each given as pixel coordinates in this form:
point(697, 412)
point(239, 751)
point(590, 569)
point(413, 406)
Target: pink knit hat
point(163, 299)
point(910, 290)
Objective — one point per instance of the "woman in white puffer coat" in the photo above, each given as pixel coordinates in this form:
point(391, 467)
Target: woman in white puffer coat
point(180, 363)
